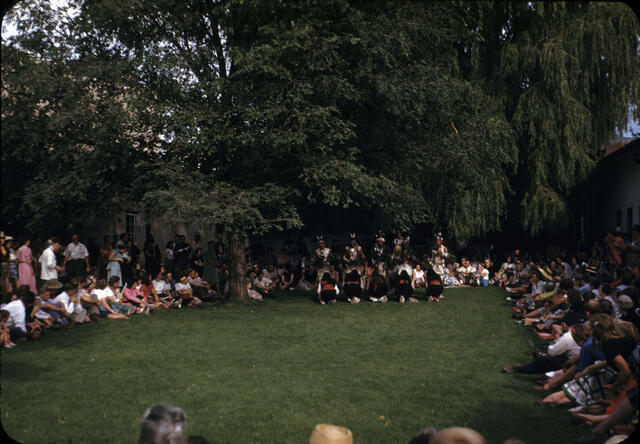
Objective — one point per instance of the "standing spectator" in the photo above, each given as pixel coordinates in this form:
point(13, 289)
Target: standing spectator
point(48, 266)
point(616, 248)
point(4, 263)
point(152, 257)
point(169, 257)
point(197, 261)
point(210, 269)
point(182, 253)
point(25, 266)
point(116, 259)
point(76, 256)
point(103, 258)
point(220, 251)
point(13, 259)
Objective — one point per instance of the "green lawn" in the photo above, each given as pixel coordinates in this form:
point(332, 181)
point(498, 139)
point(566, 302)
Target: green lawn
point(268, 372)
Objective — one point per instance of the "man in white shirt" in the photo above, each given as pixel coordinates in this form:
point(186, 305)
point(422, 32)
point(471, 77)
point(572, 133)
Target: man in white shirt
point(48, 265)
point(76, 259)
point(17, 322)
point(68, 300)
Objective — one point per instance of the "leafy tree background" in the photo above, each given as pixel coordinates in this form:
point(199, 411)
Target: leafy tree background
point(470, 116)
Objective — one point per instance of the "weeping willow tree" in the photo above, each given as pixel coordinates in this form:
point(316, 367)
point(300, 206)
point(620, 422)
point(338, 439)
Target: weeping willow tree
point(567, 74)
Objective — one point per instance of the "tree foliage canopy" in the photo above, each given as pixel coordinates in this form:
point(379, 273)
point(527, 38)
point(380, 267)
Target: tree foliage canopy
point(268, 115)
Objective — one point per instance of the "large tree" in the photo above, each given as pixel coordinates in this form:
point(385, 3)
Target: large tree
point(272, 115)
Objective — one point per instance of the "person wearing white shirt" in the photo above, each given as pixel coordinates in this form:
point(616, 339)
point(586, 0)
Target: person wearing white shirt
point(68, 300)
point(17, 321)
point(76, 257)
point(48, 265)
point(104, 297)
point(566, 347)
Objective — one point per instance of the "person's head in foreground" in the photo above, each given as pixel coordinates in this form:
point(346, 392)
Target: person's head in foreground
point(330, 434)
point(163, 424)
point(450, 435)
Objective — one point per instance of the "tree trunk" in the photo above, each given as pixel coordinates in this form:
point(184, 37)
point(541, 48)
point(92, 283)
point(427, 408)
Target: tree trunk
point(237, 267)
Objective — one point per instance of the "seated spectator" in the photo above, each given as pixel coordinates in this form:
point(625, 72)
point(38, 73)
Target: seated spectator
point(451, 435)
point(5, 334)
point(482, 276)
point(161, 290)
point(69, 300)
point(185, 292)
point(466, 272)
point(201, 288)
point(105, 308)
point(115, 299)
point(565, 348)
point(17, 320)
point(417, 280)
point(610, 375)
point(286, 278)
point(263, 284)
point(163, 424)
point(627, 309)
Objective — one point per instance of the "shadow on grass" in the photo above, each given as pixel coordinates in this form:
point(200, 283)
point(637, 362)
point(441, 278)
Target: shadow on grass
point(513, 420)
point(18, 368)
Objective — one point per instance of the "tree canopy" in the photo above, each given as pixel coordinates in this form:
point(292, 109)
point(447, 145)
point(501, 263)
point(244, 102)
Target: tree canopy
point(269, 115)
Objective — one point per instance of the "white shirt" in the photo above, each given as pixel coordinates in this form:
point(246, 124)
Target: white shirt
point(48, 265)
point(17, 315)
point(161, 286)
point(100, 294)
point(182, 287)
point(65, 300)
point(75, 252)
point(564, 344)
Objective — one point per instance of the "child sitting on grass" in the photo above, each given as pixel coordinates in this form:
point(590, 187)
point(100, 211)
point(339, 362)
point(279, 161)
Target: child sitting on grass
point(5, 336)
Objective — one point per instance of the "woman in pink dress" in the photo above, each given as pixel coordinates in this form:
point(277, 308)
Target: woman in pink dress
point(25, 267)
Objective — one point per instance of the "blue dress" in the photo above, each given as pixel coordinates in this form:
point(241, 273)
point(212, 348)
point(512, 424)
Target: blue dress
point(113, 267)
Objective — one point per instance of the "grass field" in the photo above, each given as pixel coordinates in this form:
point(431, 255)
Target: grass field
point(268, 372)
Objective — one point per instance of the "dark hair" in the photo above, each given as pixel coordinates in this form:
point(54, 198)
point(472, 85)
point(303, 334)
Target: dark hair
point(602, 327)
point(575, 299)
point(580, 332)
point(592, 307)
point(566, 284)
point(4, 315)
point(606, 307)
point(70, 286)
point(113, 280)
point(28, 298)
point(162, 424)
point(101, 284)
point(606, 289)
point(588, 296)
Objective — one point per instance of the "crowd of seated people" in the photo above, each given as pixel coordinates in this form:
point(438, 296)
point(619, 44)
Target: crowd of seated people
point(589, 309)
point(63, 288)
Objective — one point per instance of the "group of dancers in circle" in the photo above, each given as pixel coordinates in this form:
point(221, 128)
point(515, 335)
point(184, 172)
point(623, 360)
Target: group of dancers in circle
point(387, 270)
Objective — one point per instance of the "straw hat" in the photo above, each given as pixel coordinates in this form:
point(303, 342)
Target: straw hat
point(330, 434)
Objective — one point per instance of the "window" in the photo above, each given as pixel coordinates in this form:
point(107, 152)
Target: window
point(131, 225)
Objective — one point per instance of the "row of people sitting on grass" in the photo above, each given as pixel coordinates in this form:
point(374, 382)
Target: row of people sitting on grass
point(26, 315)
point(591, 367)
